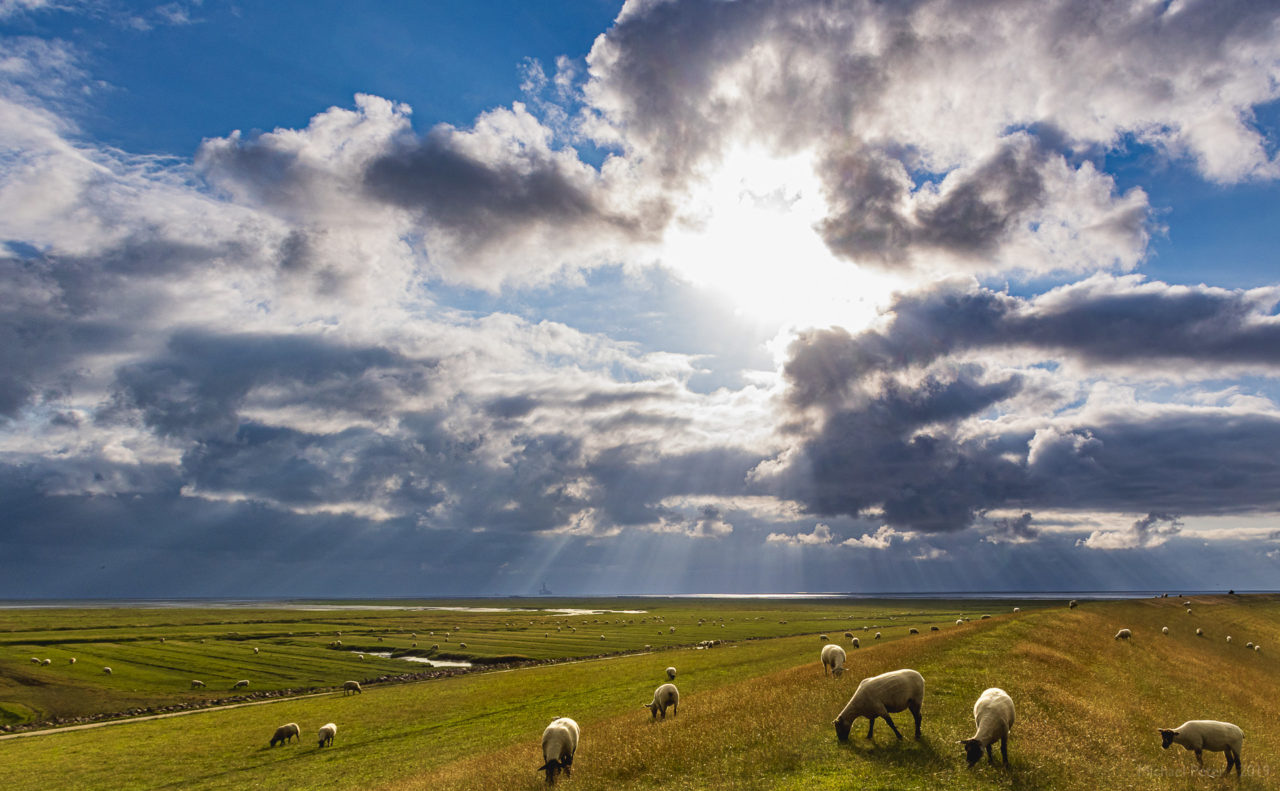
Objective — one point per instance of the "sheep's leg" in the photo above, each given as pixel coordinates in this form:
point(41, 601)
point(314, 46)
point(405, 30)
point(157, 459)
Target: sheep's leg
point(872, 727)
point(1004, 749)
point(1200, 759)
point(896, 732)
point(914, 706)
point(990, 760)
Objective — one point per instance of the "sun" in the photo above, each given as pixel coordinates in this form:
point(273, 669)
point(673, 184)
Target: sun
point(747, 233)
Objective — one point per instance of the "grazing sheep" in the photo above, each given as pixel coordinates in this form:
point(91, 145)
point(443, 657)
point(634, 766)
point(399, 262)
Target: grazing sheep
point(1211, 735)
point(1228, 638)
point(1188, 611)
point(994, 715)
point(1017, 609)
point(327, 732)
point(351, 686)
point(435, 646)
point(832, 660)
point(241, 684)
point(285, 733)
point(464, 645)
point(823, 638)
point(934, 629)
point(196, 683)
point(559, 743)
point(672, 629)
point(46, 661)
point(671, 673)
point(1164, 630)
point(1249, 645)
point(664, 697)
point(1199, 633)
point(880, 696)
point(1257, 647)
point(913, 630)
point(106, 670)
point(985, 618)
point(255, 650)
point(959, 622)
point(1123, 634)
point(855, 642)
point(877, 635)
point(35, 660)
point(1071, 605)
point(71, 661)
point(849, 635)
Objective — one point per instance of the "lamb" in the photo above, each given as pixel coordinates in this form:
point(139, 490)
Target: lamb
point(559, 743)
point(196, 683)
point(1211, 735)
point(327, 732)
point(832, 660)
point(285, 733)
point(241, 684)
point(880, 696)
point(664, 697)
point(671, 672)
point(351, 686)
point(1123, 634)
point(993, 714)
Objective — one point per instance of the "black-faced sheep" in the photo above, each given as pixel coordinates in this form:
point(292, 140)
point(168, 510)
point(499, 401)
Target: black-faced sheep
point(880, 696)
point(855, 642)
point(559, 743)
point(1211, 735)
point(993, 714)
point(106, 670)
point(196, 683)
point(664, 697)
point(285, 733)
point(327, 732)
point(1123, 634)
point(671, 672)
point(349, 687)
point(1071, 605)
point(832, 660)
point(913, 630)
point(241, 684)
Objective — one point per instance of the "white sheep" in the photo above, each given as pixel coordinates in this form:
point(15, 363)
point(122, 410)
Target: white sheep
point(1123, 634)
point(351, 686)
point(993, 714)
point(196, 683)
point(823, 638)
point(559, 743)
point(832, 660)
point(1164, 630)
point(1211, 735)
point(1017, 609)
point(985, 618)
point(1228, 638)
point(255, 650)
point(71, 661)
point(880, 696)
point(1249, 645)
point(106, 670)
point(664, 697)
point(241, 684)
point(1257, 647)
point(959, 622)
point(1199, 633)
point(1071, 605)
point(35, 660)
point(285, 733)
point(855, 642)
point(327, 732)
point(671, 672)
point(46, 661)
point(877, 635)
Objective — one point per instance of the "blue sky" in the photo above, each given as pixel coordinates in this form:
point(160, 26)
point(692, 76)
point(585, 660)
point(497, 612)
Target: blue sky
point(663, 297)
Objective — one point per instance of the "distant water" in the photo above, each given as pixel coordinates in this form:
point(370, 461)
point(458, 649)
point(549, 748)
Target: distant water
point(539, 603)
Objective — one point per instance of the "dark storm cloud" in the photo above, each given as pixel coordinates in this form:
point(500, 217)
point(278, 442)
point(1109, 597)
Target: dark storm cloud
point(197, 388)
point(1014, 529)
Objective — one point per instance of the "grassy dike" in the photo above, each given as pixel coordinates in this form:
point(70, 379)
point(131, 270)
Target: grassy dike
point(754, 714)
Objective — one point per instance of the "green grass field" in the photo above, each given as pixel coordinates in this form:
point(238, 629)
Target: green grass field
point(755, 712)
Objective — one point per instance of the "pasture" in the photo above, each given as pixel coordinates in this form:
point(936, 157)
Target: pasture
point(755, 711)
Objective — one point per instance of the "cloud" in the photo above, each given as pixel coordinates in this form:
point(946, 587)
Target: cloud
point(820, 536)
point(1016, 530)
point(1150, 531)
point(883, 538)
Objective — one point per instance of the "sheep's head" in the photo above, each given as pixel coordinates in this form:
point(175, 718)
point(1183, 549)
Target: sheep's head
point(837, 672)
point(1166, 737)
point(653, 708)
point(972, 750)
point(552, 768)
point(842, 730)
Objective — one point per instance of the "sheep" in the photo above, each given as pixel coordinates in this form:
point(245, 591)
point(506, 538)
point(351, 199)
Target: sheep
point(1164, 630)
point(285, 733)
point(993, 714)
point(1257, 648)
point(351, 686)
point(241, 684)
point(435, 646)
point(196, 683)
point(559, 743)
point(71, 661)
point(1228, 638)
point(664, 697)
point(671, 673)
point(1017, 609)
point(1071, 605)
point(1249, 645)
point(1199, 633)
point(46, 661)
point(255, 650)
point(985, 618)
point(855, 642)
point(327, 732)
point(106, 670)
point(1211, 735)
point(360, 657)
point(877, 635)
point(849, 635)
point(934, 629)
point(880, 696)
point(35, 660)
point(959, 622)
point(823, 638)
point(672, 629)
point(1123, 634)
point(913, 630)
point(832, 660)
point(1188, 611)
point(464, 645)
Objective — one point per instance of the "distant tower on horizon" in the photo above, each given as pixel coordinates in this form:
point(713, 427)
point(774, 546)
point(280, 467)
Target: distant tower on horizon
point(544, 590)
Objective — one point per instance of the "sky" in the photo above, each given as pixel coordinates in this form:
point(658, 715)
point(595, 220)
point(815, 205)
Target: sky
point(664, 296)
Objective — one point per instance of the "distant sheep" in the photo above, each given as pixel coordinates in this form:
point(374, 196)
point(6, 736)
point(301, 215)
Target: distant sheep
point(985, 618)
point(1228, 638)
point(327, 732)
point(435, 646)
point(880, 696)
point(664, 697)
point(106, 670)
point(877, 635)
point(1199, 633)
point(255, 650)
point(196, 683)
point(71, 661)
point(1164, 630)
point(959, 622)
point(1188, 611)
point(934, 629)
point(849, 635)
point(832, 660)
point(1017, 609)
point(46, 661)
point(671, 673)
point(464, 645)
point(855, 642)
point(913, 630)
point(1071, 605)
point(1257, 647)
point(351, 686)
point(559, 743)
point(1211, 735)
point(1249, 645)
point(35, 660)
point(1123, 634)
point(285, 733)
point(241, 684)
point(993, 714)
point(823, 638)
